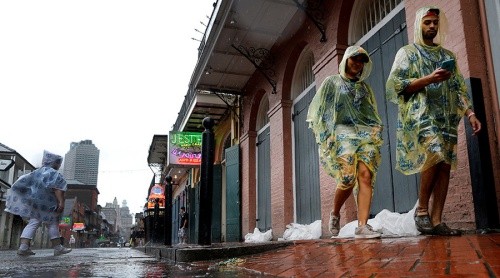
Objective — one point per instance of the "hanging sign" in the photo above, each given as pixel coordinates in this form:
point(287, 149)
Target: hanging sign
point(184, 148)
point(157, 194)
point(65, 220)
point(78, 226)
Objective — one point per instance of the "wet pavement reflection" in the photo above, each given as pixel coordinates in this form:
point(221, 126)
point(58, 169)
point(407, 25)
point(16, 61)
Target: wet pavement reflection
point(422, 256)
point(107, 262)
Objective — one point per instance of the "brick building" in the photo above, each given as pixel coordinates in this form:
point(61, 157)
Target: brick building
point(260, 63)
point(82, 201)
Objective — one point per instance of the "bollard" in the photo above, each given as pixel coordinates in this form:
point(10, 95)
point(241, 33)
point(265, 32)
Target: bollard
point(156, 214)
point(206, 183)
point(168, 211)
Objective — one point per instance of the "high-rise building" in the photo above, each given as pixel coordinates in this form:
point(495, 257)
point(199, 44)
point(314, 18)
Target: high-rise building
point(81, 162)
point(112, 213)
point(126, 220)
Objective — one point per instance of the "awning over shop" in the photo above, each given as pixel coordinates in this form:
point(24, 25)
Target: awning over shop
point(158, 152)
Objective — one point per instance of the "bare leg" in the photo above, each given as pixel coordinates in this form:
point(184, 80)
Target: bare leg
point(440, 192)
point(427, 183)
point(365, 193)
point(339, 199)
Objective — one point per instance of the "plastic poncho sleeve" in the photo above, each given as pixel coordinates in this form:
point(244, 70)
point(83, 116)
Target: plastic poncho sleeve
point(316, 112)
point(400, 76)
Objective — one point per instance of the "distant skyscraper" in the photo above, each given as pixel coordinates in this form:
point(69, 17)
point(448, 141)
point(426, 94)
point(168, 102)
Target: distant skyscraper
point(81, 162)
point(119, 217)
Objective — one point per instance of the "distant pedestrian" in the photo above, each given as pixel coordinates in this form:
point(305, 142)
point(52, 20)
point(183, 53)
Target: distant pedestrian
point(39, 196)
point(72, 241)
point(183, 226)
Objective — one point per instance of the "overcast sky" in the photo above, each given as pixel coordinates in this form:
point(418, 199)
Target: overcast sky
point(114, 72)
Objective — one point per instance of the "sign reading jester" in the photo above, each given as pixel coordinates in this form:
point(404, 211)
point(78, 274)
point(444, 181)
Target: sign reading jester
point(184, 148)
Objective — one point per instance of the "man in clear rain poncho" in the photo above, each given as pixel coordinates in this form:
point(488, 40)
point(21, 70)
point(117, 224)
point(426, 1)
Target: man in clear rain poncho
point(39, 197)
point(432, 98)
point(344, 118)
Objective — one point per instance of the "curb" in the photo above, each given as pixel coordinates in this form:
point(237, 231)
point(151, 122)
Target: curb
point(193, 253)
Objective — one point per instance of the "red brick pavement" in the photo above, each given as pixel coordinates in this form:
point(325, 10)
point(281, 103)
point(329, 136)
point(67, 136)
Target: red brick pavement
point(422, 256)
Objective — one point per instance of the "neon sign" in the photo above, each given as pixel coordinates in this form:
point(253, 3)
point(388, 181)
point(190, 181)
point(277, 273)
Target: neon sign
point(78, 226)
point(184, 148)
point(156, 194)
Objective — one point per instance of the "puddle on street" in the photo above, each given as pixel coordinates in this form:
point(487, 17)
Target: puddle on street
point(113, 262)
point(145, 268)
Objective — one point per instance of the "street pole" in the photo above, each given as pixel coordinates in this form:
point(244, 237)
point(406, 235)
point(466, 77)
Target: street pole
point(206, 183)
point(156, 213)
point(168, 211)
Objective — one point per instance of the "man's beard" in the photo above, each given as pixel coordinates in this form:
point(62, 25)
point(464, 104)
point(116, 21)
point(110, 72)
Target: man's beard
point(429, 35)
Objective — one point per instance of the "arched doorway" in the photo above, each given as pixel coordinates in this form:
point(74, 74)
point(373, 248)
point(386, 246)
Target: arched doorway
point(305, 153)
point(263, 221)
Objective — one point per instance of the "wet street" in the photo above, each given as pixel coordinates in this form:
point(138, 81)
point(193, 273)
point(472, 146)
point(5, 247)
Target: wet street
point(472, 255)
point(105, 262)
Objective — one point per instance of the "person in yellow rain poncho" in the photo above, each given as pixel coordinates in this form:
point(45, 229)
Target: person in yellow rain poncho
point(432, 98)
point(344, 118)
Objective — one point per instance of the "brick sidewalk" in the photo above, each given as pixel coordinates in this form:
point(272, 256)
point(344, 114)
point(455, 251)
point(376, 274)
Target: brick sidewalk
point(421, 256)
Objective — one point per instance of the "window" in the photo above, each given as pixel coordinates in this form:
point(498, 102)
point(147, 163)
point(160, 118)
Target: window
point(262, 118)
point(367, 14)
point(303, 76)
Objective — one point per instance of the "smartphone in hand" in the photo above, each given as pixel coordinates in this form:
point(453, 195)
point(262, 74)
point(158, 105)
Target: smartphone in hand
point(448, 65)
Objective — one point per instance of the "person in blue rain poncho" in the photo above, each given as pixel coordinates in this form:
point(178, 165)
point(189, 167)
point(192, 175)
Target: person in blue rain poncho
point(39, 197)
point(344, 118)
point(432, 99)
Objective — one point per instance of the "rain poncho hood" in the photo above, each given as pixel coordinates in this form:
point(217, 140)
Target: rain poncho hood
point(51, 160)
point(352, 51)
point(442, 27)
